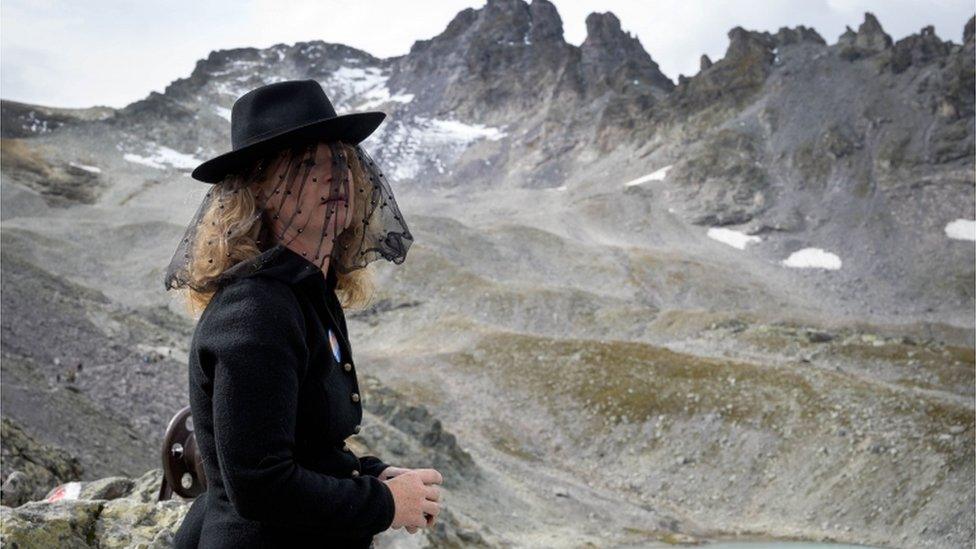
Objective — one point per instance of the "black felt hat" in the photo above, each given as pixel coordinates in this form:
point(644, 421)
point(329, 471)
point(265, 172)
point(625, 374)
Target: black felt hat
point(277, 114)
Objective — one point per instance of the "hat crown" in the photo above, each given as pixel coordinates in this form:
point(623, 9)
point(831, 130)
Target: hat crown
point(275, 108)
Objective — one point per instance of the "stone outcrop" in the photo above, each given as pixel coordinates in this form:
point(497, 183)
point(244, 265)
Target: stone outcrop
point(869, 39)
point(612, 59)
point(30, 468)
point(107, 513)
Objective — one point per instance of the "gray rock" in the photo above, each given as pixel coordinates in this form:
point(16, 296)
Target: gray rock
point(35, 467)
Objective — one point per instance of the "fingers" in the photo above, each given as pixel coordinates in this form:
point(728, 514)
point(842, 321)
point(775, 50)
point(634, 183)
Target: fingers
point(432, 492)
point(432, 508)
point(430, 476)
point(394, 471)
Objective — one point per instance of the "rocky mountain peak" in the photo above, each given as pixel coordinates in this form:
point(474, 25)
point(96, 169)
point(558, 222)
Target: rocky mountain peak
point(747, 62)
point(612, 58)
point(918, 49)
point(545, 23)
point(785, 36)
point(871, 36)
point(969, 30)
point(504, 54)
point(869, 39)
point(749, 45)
point(499, 23)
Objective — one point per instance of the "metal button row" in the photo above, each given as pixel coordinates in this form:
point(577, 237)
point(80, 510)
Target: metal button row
point(348, 367)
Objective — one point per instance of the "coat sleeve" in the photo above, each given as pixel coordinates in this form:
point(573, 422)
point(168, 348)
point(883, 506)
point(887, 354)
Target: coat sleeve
point(372, 465)
point(256, 335)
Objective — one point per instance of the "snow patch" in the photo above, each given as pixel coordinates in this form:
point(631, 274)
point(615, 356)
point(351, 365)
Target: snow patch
point(161, 157)
point(454, 130)
point(35, 124)
point(658, 175)
point(361, 88)
point(92, 169)
point(411, 145)
point(961, 229)
point(812, 258)
point(736, 239)
point(243, 83)
point(223, 112)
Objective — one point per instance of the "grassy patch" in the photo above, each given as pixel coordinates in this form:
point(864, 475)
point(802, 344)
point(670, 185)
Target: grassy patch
point(616, 381)
point(626, 381)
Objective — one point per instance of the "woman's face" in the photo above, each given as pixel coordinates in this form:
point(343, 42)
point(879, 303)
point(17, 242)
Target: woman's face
point(337, 195)
point(310, 212)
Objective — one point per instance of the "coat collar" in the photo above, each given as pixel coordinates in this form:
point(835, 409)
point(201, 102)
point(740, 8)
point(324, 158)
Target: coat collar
point(281, 263)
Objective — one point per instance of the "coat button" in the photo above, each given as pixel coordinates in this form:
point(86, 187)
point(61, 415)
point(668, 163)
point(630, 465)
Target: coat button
point(356, 429)
point(355, 473)
point(355, 397)
point(347, 367)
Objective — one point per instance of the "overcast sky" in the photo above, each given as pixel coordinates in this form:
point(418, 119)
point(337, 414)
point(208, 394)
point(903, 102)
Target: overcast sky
point(67, 53)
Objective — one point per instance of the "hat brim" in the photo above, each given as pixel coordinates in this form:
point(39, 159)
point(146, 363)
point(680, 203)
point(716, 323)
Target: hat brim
point(351, 128)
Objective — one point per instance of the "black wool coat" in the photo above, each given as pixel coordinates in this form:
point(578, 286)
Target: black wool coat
point(271, 407)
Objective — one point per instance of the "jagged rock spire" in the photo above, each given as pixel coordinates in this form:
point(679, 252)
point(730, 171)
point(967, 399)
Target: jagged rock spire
point(546, 25)
point(611, 56)
point(796, 35)
point(870, 35)
point(917, 49)
point(869, 39)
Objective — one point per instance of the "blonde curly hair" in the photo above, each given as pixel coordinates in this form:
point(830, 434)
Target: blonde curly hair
point(229, 233)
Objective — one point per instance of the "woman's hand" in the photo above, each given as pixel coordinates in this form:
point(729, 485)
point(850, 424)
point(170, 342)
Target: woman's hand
point(416, 495)
point(392, 471)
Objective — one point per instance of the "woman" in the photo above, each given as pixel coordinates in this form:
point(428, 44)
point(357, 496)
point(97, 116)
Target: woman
point(298, 209)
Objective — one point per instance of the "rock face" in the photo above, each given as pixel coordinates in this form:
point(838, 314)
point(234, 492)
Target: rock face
point(869, 39)
point(108, 513)
point(30, 468)
point(410, 430)
point(613, 59)
point(123, 512)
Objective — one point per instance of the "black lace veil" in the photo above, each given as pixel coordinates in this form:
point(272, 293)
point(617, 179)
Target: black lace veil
point(345, 219)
